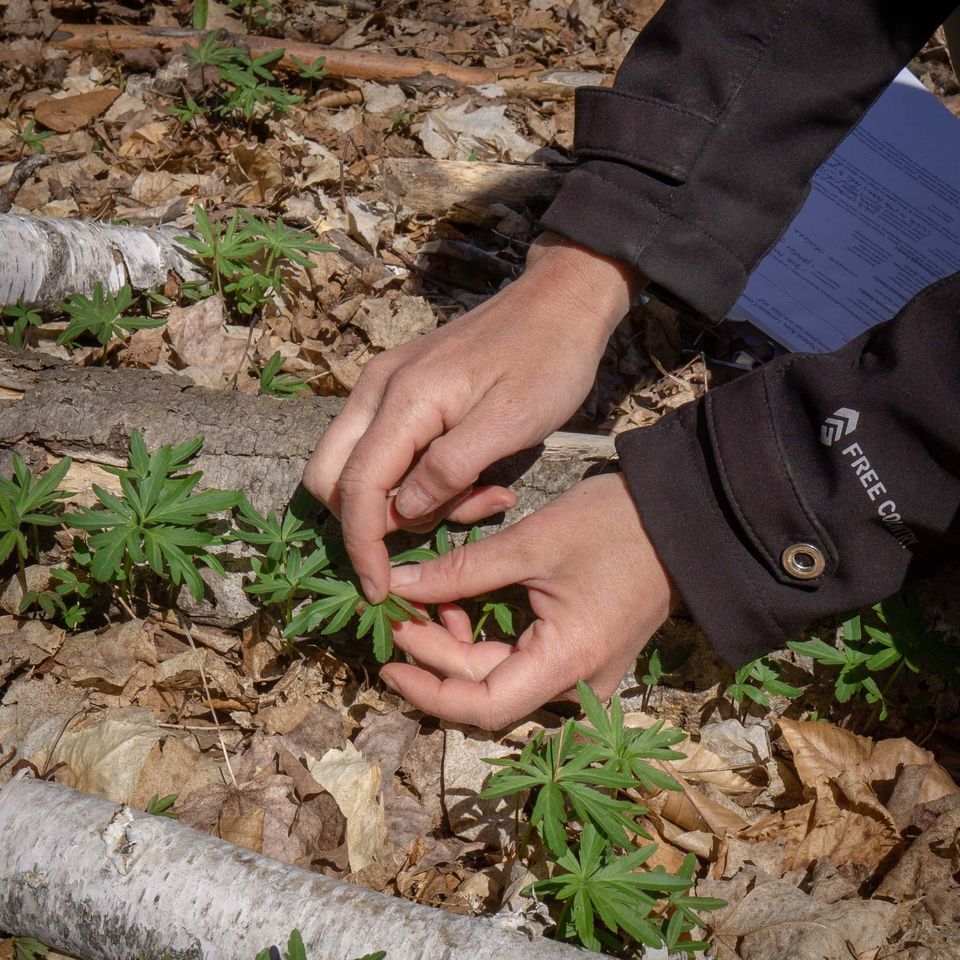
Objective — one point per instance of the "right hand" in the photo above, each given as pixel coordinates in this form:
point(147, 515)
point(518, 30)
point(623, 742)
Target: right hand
point(431, 414)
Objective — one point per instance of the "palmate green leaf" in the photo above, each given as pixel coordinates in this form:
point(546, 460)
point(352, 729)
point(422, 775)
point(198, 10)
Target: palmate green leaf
point(378, 619)
point(626, 751)
point(158, 522)
point(295, 948)
point(597, 885)
point(335, 608)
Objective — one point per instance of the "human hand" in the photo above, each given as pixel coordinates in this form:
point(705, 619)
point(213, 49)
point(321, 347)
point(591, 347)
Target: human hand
point(595, 584)
point(448, 404)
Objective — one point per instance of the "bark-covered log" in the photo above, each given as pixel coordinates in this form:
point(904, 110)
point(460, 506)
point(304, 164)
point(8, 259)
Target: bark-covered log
point(103, 882)
point(257, 444)
point(45, 259)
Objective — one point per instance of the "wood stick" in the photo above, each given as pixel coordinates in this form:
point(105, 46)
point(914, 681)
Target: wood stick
point(357, 64)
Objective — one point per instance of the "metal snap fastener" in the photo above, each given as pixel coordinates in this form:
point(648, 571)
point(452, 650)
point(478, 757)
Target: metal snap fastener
point(803, 561)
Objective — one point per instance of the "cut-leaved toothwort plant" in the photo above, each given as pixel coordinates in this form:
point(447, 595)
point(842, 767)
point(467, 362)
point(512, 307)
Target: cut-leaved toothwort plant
point(28, 502)
point(158, 528)
point(581, 787)
point(296, 563)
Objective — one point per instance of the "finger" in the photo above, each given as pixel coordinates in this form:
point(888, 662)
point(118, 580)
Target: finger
point(456, 620)
point(469, 507)
point(323, 469)
point(482, 503)
point(467, 571)
point(515, 687)
point(455, 459)
point(380, 458)
point(435, 648)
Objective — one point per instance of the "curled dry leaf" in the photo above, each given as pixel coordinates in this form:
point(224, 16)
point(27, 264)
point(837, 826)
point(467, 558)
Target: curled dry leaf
point(354, 783)
point(105, 759)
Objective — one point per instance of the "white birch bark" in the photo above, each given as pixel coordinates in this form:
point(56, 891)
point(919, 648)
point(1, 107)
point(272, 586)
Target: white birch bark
point(45, 259)
point(102, 882)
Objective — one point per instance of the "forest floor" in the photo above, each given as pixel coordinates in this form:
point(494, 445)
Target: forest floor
point(828, 830)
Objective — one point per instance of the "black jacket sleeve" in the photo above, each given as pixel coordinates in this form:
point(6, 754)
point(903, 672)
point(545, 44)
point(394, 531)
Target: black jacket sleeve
point(819, 482)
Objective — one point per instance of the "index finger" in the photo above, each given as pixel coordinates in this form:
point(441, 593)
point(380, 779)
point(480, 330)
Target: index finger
point(378, 461)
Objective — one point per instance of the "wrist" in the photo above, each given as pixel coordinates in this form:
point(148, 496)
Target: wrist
point(600, 287)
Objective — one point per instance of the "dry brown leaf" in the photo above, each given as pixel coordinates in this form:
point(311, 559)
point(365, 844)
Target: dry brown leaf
point(465, 774)
point(263, 803)
point(776, 920)
point(933, 859)
point(258, 166)
point(824, 749)
point(388, 322)
point(848, 826)
point(201, 344)
point(106, 659)
point(105, 759)
point(354, 783)
point(66, 114)
point(175, 767)
point(244, 829)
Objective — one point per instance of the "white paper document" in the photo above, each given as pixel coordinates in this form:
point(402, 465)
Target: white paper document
point(882, 222)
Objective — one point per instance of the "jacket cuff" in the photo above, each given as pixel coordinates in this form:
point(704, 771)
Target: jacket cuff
point(674, 482)
point(680, 258)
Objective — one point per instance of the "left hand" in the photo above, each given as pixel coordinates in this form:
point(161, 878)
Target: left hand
point(595, 584)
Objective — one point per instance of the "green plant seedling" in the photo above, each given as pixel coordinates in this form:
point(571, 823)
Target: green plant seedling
point(246, 257)
point(26, 948)
point(282, 385)
point(102, 317)
point(898, 641)
point(213, 51)
point(255, 12)
point(32, 139)
point(23, 319)
point(603, 892)
point(754, 680)
point(159, 523)
point(559, 772)
point(161, 806)
point(53, 602)
point(628, 750)
point(339, 601)
point(313, 72)
point(29, 501)
point(187, 112)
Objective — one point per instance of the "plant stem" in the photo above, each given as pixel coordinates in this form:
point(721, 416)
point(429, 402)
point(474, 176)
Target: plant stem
point(22, 573)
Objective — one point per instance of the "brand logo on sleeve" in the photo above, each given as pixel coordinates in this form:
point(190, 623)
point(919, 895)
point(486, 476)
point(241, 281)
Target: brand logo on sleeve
point(840, 423)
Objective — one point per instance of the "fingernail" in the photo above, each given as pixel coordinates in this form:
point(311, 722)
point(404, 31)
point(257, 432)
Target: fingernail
point(388, 682)
point(370, 591)
point(412, 501)
point(404, 575)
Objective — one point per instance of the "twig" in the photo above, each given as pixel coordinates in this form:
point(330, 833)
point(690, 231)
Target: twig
point(206, 689)
point(21, 173)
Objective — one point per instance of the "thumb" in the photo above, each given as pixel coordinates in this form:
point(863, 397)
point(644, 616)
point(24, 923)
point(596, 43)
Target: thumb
point(464, 572)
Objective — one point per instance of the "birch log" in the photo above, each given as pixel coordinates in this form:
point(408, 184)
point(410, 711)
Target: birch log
point(103, 882)
point(46, 259)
